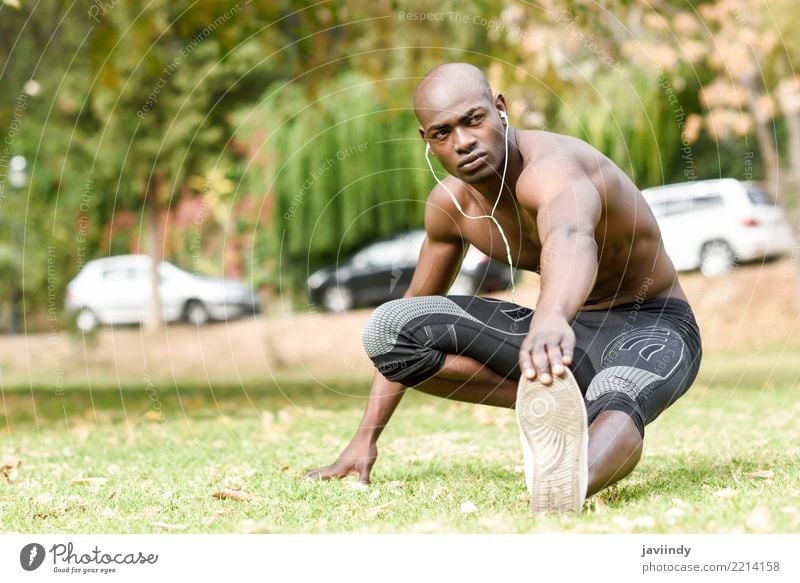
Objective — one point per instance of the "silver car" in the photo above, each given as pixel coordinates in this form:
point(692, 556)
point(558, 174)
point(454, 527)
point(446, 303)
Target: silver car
point(711, 225)
point(116, 290)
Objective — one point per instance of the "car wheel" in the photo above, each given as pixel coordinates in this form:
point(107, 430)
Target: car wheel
point(338, 299)
point(196, 313)
point(716, 258)
point(86, 320)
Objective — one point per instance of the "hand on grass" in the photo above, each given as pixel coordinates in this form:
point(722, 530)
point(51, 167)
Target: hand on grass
point(357, 458)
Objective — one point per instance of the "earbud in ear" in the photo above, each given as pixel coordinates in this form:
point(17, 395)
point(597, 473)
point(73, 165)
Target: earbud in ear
point(427, 148)
point(503, 116)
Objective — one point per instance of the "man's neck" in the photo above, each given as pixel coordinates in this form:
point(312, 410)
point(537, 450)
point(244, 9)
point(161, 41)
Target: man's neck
point(490, 189)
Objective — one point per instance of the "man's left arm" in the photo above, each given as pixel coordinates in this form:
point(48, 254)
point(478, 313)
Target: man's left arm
point(567, 215)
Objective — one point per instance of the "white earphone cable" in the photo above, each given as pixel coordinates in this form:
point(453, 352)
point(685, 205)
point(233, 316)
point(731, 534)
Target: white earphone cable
point(490, 216)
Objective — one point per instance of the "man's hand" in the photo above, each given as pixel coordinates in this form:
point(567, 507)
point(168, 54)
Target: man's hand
point(547, 349)
point(357, 458)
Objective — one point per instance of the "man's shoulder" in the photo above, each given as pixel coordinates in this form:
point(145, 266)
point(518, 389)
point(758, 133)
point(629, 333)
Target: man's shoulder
point(446, 195)
point(441, 212)
point(553, 162)
point(546, 147)
point(560, 163)
point(446, 188)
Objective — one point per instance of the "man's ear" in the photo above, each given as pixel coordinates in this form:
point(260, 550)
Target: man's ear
point(500, 104)
point(427, 143)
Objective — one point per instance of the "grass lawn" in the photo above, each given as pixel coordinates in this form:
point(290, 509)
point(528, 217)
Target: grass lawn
point(726, 458)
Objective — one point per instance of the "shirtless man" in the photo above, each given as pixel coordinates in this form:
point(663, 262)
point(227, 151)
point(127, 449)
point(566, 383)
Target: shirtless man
point(612, 341)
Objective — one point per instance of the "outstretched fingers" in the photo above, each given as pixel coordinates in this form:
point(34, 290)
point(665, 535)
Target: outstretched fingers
point(541, 362)
point(318, 474)
point(326, 473)
point(555, 356)
point(339, 470)
point(525, 361)
point(545, 356)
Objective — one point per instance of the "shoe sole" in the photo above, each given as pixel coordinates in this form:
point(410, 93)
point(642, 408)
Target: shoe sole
point(552, 424)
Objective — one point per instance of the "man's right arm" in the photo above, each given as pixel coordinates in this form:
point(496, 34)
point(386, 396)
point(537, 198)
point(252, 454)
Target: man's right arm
point(439, 260)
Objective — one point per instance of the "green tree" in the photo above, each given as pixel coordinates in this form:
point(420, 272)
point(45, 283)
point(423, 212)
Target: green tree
point(346, 175)
point(338, 156)
point(160, 89)
point(132, 102)
point(36, 235)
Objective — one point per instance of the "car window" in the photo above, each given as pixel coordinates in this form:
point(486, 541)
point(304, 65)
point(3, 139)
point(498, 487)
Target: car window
point(124, 274)
point(118, 274)
point(361, 259)
point(672, 208)
point(759, 197)
point(677, 207)
point(384, 254)
point(708, 201)
point(167, 271)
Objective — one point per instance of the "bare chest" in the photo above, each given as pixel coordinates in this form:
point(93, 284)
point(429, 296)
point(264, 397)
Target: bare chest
point(520, 233)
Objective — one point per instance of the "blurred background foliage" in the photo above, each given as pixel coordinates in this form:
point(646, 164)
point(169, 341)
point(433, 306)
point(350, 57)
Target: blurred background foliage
point(265, 139)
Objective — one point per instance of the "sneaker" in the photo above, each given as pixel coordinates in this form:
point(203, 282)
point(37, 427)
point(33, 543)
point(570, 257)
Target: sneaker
point(555, 437)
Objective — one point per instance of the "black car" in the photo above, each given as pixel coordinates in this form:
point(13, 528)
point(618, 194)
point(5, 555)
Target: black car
point(382, 271)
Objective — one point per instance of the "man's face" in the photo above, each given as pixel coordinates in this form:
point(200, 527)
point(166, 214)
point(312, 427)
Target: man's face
point(465, 133)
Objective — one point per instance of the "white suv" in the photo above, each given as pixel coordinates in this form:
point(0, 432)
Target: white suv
point(712, 224)
point(116, 290)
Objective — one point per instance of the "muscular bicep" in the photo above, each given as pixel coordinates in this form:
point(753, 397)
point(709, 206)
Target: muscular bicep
point(575, 208)
point(568, 208)
point(562, 198)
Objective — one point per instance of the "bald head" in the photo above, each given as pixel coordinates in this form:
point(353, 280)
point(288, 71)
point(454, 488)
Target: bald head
point(444, 84)
point(462, 124)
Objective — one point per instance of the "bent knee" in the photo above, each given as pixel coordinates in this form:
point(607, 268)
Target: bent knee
point(401, 318)
point(397, 339)
point(618, 389)
point(391, 344)
point(383, 327)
